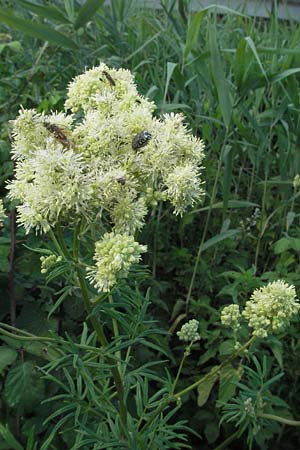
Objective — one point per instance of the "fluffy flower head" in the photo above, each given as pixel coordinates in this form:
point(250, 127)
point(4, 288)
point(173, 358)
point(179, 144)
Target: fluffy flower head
point(271, 308)
point(189, 331)
point(114, 255)
point(231, 316)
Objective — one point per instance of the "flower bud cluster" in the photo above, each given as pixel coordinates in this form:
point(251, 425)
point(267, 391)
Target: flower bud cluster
point(47, 262)
point(231, 317)
point(189, 331)
point(114, 255)
point(271, 308)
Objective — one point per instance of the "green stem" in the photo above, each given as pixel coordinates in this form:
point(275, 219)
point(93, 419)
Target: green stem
point(175, 397)
point(215, 370)
point(31, 337)
point(116, 335)
point(103, 341)
point(293, 423)
point(185, 355)
point(61, 241)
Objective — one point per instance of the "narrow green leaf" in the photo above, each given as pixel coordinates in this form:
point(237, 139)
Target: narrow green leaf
point(219, 78)
point(170, 69)
point(9, 438)
point(285, 74)
point(193, 31)
point(36, 30)
point(228, 164)
point(253, 48)
point(219, 238)
point(86, 12)
point(231, 204)
point(47, 11)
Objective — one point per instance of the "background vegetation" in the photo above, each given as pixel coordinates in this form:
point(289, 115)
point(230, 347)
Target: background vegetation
point(237, 81)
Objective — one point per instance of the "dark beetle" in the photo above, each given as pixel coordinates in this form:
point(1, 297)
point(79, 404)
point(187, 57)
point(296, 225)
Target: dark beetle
point(141, 139)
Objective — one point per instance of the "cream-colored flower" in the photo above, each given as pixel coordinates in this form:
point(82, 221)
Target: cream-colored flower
point(231, 317)
point(114, 256)
point(189, 331)
point(271, 308)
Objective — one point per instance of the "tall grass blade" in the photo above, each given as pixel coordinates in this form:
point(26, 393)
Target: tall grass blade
point(218, 75)
point(170, 69)
point(86, 12)
point(47, 11)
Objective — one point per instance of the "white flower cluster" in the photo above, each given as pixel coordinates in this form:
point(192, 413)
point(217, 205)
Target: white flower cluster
point(106, 152)
point(114, 255)
point(189, 331)
point(231, 316)
point(271, 308)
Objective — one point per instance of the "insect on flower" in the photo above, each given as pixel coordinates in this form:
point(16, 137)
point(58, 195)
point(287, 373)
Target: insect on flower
point(141, 139)
point(109, 78)
point(57, 133)
point(121, 180)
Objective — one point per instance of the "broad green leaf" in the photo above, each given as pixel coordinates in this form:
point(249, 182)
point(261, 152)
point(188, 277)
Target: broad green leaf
point(204, 389)
point(47, 11)
point(7, 356)
point(86, 12)
point(36, 30)
point(227, 347)
point(229, 376)
point(218, 74)
point(23, 387)
point(9, 438)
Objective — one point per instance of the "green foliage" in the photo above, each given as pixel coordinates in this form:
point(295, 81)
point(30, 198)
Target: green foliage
point(237, 81)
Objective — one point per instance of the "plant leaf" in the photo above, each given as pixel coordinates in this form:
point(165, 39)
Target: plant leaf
point(36, 30)
point(86, 12)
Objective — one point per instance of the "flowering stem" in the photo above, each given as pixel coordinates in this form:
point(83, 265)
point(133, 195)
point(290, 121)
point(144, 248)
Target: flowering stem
point(185, 355)
point(103, 341)
point(176, 397)
point(116, 334)
point(215, 370)
point(284, 420)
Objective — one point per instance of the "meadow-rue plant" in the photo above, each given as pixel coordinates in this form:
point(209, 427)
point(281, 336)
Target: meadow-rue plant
point(189, 331)
point(271, 308)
